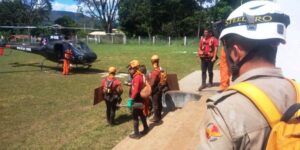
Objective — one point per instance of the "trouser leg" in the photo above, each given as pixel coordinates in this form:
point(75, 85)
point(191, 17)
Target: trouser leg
point(108, 111)
point(143, 119)
point(204, 67)
point(159, 100)
point(113, 111)
point(135, 114)
point(210, 72)
point(156, 107)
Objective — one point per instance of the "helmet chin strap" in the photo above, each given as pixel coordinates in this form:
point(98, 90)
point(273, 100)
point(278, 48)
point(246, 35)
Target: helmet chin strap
point(235, 67)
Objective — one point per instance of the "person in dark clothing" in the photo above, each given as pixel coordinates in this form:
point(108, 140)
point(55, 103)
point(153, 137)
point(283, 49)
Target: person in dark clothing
point(112, 90)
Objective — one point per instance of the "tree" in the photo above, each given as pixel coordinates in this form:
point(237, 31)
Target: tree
point(37, 10)
point(66, 21)
point(104, 10)
point(135, 17)
point(24, 12)
point(157, 17)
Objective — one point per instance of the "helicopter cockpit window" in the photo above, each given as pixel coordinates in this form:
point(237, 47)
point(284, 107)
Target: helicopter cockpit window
point(80, 46)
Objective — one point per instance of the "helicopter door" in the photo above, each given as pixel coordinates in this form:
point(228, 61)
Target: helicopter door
point(59, 51)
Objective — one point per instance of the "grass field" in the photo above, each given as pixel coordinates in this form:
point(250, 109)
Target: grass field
point(45, 110)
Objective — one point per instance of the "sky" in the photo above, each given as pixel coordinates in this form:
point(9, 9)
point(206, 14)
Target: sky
point(288, 55)
point(65, 5)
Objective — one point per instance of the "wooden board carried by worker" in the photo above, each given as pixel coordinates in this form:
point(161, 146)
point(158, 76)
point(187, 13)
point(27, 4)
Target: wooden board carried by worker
point(172, 81)
point(98, 95)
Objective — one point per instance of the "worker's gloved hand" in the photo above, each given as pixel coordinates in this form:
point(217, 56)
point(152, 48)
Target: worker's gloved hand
point(129, 102)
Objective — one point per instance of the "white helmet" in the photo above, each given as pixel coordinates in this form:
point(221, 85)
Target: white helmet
point(257, 20)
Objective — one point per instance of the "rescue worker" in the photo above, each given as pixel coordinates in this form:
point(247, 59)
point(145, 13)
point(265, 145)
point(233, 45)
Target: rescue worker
point(112, 89)
point(156, 89)
point(207, 53)
point(251, 36)
point(136, 102)
point(224, 72)
point(67, 58)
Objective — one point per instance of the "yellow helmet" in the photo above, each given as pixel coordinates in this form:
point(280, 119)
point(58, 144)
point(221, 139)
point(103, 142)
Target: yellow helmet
point(154, 57)
point(134, 63)
point(112, 70)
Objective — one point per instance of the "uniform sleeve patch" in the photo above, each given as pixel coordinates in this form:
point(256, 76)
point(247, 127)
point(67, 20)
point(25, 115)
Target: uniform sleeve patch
point(212, 132)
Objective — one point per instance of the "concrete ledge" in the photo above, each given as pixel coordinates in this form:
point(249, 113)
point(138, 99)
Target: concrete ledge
point(178, 99)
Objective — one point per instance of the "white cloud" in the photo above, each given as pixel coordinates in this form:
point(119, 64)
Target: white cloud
point(64, 7)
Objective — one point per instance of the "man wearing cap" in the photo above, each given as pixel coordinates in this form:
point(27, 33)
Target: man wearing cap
point(207, 53)
point(112, 89)
point(136, 101)
point(250, 37)
point(156, 91)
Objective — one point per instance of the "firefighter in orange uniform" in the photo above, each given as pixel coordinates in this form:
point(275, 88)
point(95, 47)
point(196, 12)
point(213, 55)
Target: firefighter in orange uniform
point(224, 71)
point(67, 57)
point(135, 102)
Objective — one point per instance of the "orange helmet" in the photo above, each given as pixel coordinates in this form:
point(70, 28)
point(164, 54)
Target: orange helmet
point(154, 57)
point(134, 63)
point(112, 70)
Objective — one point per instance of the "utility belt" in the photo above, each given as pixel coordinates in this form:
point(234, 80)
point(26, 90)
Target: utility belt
point(209, 54)
point(112, 97)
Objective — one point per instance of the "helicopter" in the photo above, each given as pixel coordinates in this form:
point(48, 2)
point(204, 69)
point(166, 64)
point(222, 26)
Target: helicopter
point(52, 47)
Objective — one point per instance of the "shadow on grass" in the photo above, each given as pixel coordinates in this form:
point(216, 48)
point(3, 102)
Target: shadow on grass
point(123, 118)
point(56, 69)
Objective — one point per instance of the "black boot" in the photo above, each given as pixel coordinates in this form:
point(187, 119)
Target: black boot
point(145, 125)
point(136, 134)
point(203, 86)
point(211, 77)
point(155, 118)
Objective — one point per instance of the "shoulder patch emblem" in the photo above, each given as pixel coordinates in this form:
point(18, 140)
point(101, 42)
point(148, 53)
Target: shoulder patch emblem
point(212, 132)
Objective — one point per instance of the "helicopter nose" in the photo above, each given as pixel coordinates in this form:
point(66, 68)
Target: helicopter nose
point(90, 57)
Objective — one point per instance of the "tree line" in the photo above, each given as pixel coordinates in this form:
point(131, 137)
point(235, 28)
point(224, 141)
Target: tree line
point(134, 17)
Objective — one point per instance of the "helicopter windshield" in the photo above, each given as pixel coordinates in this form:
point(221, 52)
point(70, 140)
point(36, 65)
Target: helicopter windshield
point(80, 46)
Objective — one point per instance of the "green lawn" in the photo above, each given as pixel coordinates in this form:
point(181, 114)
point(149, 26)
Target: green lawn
point(45, 110)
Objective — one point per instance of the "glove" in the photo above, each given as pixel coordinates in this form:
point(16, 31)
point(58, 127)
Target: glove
point(129, 102)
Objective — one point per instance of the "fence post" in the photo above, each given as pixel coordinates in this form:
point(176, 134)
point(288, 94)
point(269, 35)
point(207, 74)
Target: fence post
point(87, 39)
point(139, 40)
point(184, 41)
point(124, 39)
point(153, 40)
point(95, 39)
point(112, 39)
point(99, 39)
point(169, 40)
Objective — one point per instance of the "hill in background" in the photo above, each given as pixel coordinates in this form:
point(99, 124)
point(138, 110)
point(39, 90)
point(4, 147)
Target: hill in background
point(79, 18)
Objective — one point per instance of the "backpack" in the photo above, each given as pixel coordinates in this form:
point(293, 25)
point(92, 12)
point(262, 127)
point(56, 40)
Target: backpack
point(107, 90)
point(285, 132)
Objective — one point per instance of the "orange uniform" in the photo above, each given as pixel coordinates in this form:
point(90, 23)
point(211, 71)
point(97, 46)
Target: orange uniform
point(67, 57)
point(224, 71)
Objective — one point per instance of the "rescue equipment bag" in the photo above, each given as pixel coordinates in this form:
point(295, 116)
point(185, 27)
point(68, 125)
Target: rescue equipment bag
point(285, 129)
point(146, 90)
